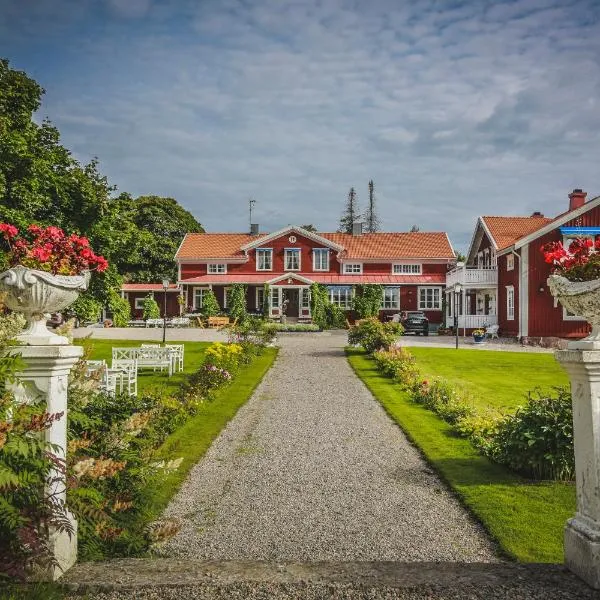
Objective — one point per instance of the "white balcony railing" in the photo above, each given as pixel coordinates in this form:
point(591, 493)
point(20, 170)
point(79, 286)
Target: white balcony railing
point(473, 321)
point(480, 278)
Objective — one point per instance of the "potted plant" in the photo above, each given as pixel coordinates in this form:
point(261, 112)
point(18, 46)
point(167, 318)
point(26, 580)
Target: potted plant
point(47, 271)
point(478, 336)
point(575, 282)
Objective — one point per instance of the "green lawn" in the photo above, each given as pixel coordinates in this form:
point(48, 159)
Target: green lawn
point(497, 380)
point(193, 357)
point(525, 518)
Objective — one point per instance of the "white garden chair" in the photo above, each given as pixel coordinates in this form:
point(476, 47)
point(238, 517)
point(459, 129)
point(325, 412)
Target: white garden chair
point(177, 355)
point(491, 331)
point(130, 369)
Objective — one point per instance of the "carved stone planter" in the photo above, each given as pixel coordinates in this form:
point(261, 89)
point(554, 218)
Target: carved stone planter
point(37, 293)
point(580, 298)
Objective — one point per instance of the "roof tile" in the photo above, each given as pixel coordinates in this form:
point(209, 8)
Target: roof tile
point(507, 230)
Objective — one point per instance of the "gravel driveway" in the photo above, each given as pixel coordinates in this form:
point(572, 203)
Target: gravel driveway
point(311, 468)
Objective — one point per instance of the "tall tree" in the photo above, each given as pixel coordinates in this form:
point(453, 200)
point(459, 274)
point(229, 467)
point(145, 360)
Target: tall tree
point(310, 227)
point(372, 223)
point(351, 214)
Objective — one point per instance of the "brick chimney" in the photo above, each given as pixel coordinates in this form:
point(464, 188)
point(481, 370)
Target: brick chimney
point(576, 199)
point(537, 213)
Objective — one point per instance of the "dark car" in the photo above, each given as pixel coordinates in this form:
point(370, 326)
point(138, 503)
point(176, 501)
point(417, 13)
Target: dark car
point(415, 321)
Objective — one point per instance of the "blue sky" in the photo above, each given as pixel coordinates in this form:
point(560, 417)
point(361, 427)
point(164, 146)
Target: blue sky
point(454, 109)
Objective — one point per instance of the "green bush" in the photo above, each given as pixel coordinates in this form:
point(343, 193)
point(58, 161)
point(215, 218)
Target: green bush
point(120, 309)
point(537, 440)
point(372, 334)
point(210, 305)
point(295, 326)
point(237, 302)
point(150, 308)
point(319, 299)
point(367, 300)
point(253, 330)
point(86, 308)
point(443, 399)
point(399, 363)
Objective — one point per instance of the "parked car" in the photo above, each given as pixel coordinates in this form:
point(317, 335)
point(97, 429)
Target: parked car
point(415, 321)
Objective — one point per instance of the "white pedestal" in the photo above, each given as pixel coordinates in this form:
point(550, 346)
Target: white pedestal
point(45, 377)
point(582, 532)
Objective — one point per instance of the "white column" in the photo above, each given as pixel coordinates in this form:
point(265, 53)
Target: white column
point(582, 532)
point(45, 377)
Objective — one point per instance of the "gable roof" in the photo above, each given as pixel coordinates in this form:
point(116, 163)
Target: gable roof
point(505, 231)
point(368, 246)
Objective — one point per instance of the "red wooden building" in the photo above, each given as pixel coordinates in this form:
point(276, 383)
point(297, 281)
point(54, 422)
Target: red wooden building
point(411, 267)
point(136, 292)
point(504, 279)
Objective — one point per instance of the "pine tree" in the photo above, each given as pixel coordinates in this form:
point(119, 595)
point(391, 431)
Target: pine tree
point(351, 214)
point(371, 219)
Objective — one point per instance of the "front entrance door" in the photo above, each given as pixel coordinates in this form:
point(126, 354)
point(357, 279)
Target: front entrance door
point(292, 296)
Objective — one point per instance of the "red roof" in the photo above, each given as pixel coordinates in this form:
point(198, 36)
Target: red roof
point(507, 230)
point(325, 278)
point(147, 287)
point(386, 246)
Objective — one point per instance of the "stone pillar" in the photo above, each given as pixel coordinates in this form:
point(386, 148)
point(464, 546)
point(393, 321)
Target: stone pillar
point(45, 376)
point(582, 532)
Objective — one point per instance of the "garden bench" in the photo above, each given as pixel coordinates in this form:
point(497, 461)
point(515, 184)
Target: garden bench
point(154, 322)
point(214, 322)
point(180, 322)
point(153, 357)
point(136, 323)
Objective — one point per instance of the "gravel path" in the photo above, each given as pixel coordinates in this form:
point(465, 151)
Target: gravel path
point(312, 469)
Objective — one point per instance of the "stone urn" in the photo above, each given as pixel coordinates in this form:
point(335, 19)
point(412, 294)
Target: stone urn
point(37, 293)
point(580, 298)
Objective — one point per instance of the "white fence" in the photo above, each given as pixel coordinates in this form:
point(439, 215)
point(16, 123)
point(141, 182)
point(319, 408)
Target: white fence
point(473, 321)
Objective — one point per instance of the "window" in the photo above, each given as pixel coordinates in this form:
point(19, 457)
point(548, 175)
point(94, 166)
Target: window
point(510, 303)
point(352, 268)
point(275, 297)
point(406, 269)
point(510, 262)
point(139, 304)
point(341, 296)
point(260, 298)
point(217, 268)
point(391, 297)
point(305, 298)
point(320, 259)
point(430, 298)
point(226, 301)
point(264, 259)
point(292, 259)
point(199, 294)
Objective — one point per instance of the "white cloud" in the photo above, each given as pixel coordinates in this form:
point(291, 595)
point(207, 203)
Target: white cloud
point(454, 112)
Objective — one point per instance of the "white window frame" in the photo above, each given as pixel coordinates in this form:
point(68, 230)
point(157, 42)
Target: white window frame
point(393, 302)
point(346, 267)
point(275, 293)
point(407, 269)
point(291, 251)
point(510, 262)
point(438, 305)
point(197, 289)
point(225, 290)
point(320, 252)
point(305, 298)
point(337, 301)
point(510, 306)
point(138, 303)
point(258, 304)
point(264, 252)
point(567, 317)
point(216, 268)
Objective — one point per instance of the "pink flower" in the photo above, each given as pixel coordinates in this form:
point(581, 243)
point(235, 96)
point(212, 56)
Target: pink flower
point(9, 231)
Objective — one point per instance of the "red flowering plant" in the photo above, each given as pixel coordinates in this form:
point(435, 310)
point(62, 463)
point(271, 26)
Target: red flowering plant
point(579, 262)
point(50, 249)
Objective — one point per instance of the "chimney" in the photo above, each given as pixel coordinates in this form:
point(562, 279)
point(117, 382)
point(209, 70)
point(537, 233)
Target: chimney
point(576, 199)
point(253, 228)
point(538, 214)
point(357, 228)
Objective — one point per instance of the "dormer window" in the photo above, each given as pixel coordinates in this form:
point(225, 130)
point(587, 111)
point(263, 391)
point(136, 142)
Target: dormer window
point(264, 259)
point(217, 268)
point(352, 268)
point(292, 259)
point(406, 269)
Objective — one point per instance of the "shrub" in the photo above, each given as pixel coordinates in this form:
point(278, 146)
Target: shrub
point(237, 302)
point(205, 381)
point(86, 308)
point(210, 306)
point(295, 326)
point(367, 300)
point(266, 305)
point(442, 398)
point(399, 363)
point(225, 356)
point(335, 316)
point(537, 440)
point(253, 330)
point(372, 335)
point(120, 309)
point(319, 299)
point(150, 308)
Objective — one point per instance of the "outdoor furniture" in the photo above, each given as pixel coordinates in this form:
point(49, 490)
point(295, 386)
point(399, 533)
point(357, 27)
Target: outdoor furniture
point(491, 331)
point(113, 381)
point(154, 322)
point(93, 366)
point(215, 322)
point(129, 367)
point(177, 356)
point(136, 323)
point(153, 357)
point(180, 322)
